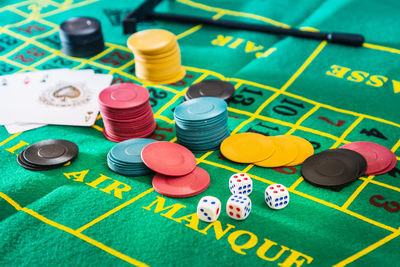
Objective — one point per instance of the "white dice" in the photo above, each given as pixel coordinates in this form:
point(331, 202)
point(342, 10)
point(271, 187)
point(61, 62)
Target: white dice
point(240, 183)
point(208, 209)
point(276, 196)
point(238, 207)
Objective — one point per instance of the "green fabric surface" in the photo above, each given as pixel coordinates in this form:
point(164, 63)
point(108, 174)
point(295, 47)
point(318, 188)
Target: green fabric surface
point(329, 94)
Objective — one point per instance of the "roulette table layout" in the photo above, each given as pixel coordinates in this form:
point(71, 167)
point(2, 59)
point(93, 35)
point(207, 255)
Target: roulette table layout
point(83, 213)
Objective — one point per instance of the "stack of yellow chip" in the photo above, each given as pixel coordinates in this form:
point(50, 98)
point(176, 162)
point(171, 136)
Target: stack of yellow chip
point(266, 151)
point(157, 56)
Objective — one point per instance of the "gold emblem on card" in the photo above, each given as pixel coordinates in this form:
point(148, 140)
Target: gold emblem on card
point(66, 95)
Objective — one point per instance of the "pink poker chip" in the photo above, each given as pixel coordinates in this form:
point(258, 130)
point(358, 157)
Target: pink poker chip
point(182, 186)
point(124, 96)
point(378, 157)
point(389, 168)
point(168, 158)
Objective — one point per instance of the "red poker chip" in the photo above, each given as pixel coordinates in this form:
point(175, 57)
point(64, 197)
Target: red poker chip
point(168, 158)
point(187, 185)
point(378, 157)
point(389, 168)
point(124, 96)
point(126, 112)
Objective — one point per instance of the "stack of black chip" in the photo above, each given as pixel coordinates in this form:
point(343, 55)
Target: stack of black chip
point(334, 168)
point(211, 88)
point(47, 155)
point(81, 37)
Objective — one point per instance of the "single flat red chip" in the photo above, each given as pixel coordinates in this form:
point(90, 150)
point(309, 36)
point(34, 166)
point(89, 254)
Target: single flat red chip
point(182, 186)
point(169, 159)
point(378, 157)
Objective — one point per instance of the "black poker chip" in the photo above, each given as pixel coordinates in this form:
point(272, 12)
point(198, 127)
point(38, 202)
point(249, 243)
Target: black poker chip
point(211, 88)
point(47, 154)
point(334, 168)
point(81, 37)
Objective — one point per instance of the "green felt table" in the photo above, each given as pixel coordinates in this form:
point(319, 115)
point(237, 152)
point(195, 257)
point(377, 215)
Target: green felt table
point(84, 214)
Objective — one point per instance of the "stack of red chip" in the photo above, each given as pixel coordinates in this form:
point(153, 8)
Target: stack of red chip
point(177, 173)
point(126, 112)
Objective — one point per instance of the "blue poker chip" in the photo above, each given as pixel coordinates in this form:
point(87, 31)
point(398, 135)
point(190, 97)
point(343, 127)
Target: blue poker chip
point(129, 172)
point(202, 108)
point(201, 124)
point(125, 158)
point(129, 151)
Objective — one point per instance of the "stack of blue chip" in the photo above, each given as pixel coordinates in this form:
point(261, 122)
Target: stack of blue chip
point(202, 123)
point(125, 157)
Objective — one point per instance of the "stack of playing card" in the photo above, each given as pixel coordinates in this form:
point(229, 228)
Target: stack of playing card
point(64, 97)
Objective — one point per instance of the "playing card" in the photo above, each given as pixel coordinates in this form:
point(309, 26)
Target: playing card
point(13, 81)
point(21, 127)
point(50, 99)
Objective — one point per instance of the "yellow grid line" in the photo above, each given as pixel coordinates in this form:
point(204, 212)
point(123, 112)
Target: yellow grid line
point(382, 184)
point(357, 192)
point(73, 232)
point(296, 183)
point(114, 210)
point(304, 66)
point(283, 123)
point(190, 31)
point(382, 48)
point(68, 7)
point(9, 139)
point(302, 119)
point(233, 13)
point(15, 5)
point(168, 120)
point(347, 132)
point(368, 249)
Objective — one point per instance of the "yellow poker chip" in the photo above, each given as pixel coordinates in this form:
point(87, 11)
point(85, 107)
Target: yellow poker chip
point(179, 76)
point(247, 147)
point(286, 151)
point(159, 74)
point(152, 41)
point(156, 66)
point(306, 150)
point(161, 57)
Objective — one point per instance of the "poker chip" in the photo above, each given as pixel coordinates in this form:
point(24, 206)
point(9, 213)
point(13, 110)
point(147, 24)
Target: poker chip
point(201, 124)
point(187, 185)
point(168, 159)
point(266, 151)
point(389, 168)
point(285, 151)
point(47, 154)
point(379, 158)
point(157, 56)
point(305, 149)
point(334, 168)
point(81, 37)
point(211, 88)
point(126, 112)
point(247, 147)
point(125, 157)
